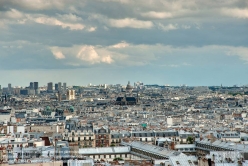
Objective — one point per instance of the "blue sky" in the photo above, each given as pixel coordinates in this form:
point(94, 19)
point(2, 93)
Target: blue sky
point(113, 41)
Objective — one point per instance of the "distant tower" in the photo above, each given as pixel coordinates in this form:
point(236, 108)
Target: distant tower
point(50, 87)
point(31, 85)
point(36, 87)
point(59, 86)
point(56, 87)
point(64, 86)
point(9, 87)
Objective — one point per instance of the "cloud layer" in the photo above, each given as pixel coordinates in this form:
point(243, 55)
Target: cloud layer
point(113, 34)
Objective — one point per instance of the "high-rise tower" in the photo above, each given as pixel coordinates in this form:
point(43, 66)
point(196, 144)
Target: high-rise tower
point(50, 87)
point(31, 85)
point(64, 86)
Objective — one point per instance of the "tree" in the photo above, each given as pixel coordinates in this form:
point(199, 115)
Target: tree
point(118, 159)
point(190, 140)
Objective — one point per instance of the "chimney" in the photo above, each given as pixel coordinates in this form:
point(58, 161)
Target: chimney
point(213, 157)
point(209, 162)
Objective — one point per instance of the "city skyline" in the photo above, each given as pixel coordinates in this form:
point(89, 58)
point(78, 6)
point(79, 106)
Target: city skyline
point(56, 84)
point(113, 41)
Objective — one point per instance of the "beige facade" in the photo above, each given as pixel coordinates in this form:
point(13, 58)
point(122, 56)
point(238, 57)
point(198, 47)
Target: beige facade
point(45, 128)
point(82, 138)
point(57, 163)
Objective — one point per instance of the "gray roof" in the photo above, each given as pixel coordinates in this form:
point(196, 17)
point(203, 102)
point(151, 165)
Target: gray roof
point(226, 145)
point(104, 150)
point(152, 149)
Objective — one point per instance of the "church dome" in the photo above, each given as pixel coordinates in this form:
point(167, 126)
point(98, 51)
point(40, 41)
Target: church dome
point(129, 87)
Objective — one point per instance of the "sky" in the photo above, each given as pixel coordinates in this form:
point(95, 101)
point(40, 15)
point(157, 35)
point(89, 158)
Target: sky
point(165, 42)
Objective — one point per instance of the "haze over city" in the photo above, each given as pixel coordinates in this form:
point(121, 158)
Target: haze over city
point(112, 41)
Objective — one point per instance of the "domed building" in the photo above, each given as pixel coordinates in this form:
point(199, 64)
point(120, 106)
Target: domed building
point(129, 87)
point(71, 109)
point(47, 111)
point(127, 100)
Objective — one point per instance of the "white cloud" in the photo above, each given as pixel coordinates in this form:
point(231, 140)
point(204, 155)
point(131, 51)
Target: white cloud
point(57, 54)
point(89, 54)
point(13, 14)
point(38, 4)
point(54, 21)
point(69, 17)
point(242, 52)
point(235, 12)
point(92, 29)
point(130, 22)
point(107, 59)
point(158, 15)
point(167, 27)
point(93, 55)
point(83, 55)
point(120, 45)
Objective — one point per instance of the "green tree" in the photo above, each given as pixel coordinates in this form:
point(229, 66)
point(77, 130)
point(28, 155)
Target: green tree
point(118, 159)
point(190, 140)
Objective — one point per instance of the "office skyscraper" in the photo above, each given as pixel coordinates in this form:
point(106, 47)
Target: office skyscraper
point(9, 87)
point(36, 85)
point(64, 86)
point(50, 87)
point(56, 87)
point(36, 88)
point(31, 85)
point(59, 86)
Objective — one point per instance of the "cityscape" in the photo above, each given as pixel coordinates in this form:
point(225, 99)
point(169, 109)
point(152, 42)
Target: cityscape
point(123, 83)
point(132, 124)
